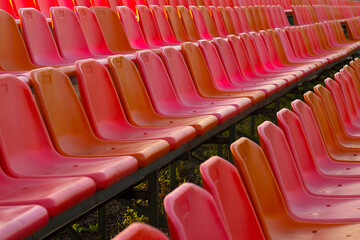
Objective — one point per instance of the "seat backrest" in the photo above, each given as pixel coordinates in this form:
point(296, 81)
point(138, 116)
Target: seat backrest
point(268, 17)
point(234, 19)
point(65, 24)
point(228, 58)
point(132, 28)
point(176, 24)
point(243, 20)
point(250, 18)
point(259, 182)
point(84, 3)
point(38, 38)
point(197, 66)
point(222, 180)
point(101, 104)
point(17, 4)
point(66, 3)
point(174, 3)
point(218, 17)
point(45, 5)
point(206, 29)
point(156, 80)
point(101, 3)
point(130, 88)
point(163, 25)
point(312, 131)
point(148, 26)
point(178, 72)
point(189, 24)
point(61, 109)
point(257, 21)
point(8, 7)
point(324, 123)
point(128, 3)
point(92, 31)
point(192, 214)
point(23, 136)
point(140, 231)
point(112, 29)
point(13, 53)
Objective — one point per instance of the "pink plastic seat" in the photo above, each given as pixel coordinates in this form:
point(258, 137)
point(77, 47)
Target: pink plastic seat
point(243, 20)
point(70, 129)
point(22, 157)
point(163, 25)
point(39, 40)
point(66, 3)
point(65, 24)
point(18, 222)
point(219, 75)
point(148, 26)
point(132, 28)
point(318, 209)
point(106, 115)
point(92, 31)
point(140, 231)
point(165, 101)
point(192, 214)
point(185, 87)
point(17, 4)
point(222, 180)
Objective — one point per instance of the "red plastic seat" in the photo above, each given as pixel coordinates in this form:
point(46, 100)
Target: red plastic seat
point(219, 76)
point(70, 129)
point(17, 4)
point(269, 204)
point(132, 28)
point(140, 231)
point(112, 30)
point(148, 26)
point(192, 214)
point(328, 161)
point(318, 209)
point(185, 87)
point(222, 180)
point(8, 7)
point(163, 95)
point(22, 157)
point(92, 31)
point(66, 3)
point(203, 80)
point(163, 25)
point(65, 24)
point(106, 115)
point(226, 20)
point(18, 222)
point(137, 103)
point(39, 40)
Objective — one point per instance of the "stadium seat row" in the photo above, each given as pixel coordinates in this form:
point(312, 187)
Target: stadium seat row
point(304, 14)
point(312, 157)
